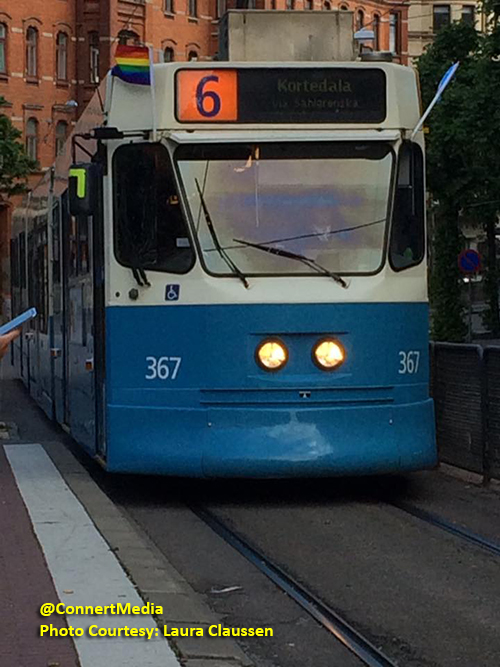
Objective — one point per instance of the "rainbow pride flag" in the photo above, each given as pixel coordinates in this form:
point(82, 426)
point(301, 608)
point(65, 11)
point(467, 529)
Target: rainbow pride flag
point(132, 64)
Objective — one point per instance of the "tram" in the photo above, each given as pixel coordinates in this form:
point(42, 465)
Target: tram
point(230, 274)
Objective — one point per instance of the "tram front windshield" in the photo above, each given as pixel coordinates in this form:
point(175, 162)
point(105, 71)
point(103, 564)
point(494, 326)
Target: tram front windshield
point(326, 201)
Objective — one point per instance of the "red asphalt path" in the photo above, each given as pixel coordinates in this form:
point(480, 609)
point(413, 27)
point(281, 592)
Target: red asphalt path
point(25, 584)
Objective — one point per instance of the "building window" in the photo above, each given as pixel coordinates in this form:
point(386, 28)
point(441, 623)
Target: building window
point(376, 32)
point(62, 56)
point(32, 138)
point(394, 33)
point(61, 134)
point(94, 57)
point(327, 6)
point(168, 55)
point(290, 4)
point(169, 7)
point(3, 48)
point(128, 38)
point(468, 14)
point(308, 4)
point(442, 17)
point(192, 55)
point(344, 8)
point(192, 8)
point(360, 19)
point(31, 52)
point(273, 4)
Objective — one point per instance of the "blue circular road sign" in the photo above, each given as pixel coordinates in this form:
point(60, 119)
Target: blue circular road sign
point(469, 261)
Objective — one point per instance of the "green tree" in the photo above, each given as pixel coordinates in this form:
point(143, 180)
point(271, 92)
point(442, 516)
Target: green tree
point(15, 165)
point(463, 154)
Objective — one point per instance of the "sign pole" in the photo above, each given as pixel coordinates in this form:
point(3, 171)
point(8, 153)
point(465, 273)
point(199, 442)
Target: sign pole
point(470, 310)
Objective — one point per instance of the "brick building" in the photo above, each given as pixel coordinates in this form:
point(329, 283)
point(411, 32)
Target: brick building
point(54, 52)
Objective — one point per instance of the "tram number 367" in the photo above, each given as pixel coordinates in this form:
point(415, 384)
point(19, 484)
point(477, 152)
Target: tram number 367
point(162, 368)
point(408, 362)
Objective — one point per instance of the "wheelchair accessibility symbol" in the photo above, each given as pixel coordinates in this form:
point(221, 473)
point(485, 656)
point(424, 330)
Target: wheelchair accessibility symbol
point(172, 292)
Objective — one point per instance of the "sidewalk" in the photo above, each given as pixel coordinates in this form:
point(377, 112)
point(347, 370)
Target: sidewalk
point(25, 583)
point(60, 538)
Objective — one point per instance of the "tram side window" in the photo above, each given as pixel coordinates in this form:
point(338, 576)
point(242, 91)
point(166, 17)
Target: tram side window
point(150, 231)
point(22, 260)
point(408, 219)
point(33, 276)
point(14, 274)
point(83, 245)
point(41, 279)
point(56, 245)
point(73, 248)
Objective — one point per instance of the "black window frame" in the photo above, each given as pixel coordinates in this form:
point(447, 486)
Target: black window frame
point(439, 24)
point(417, 183)
point(185, 218)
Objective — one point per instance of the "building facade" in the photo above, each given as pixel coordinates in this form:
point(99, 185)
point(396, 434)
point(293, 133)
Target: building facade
point(426, 18)
point(53, 53)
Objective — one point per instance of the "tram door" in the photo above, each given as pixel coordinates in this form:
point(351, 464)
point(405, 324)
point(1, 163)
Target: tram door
point(58, 351)
point(78, 296)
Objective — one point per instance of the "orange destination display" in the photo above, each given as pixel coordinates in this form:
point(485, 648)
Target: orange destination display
point(281, 95)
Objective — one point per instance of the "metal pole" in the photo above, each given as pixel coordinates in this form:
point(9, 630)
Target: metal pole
point(470, 310)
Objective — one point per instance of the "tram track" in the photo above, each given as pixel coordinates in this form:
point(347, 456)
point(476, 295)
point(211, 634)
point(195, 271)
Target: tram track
point(448, 526)
point(328, 618)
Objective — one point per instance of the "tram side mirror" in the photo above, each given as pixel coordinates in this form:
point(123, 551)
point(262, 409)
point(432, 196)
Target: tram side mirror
point(82, 188)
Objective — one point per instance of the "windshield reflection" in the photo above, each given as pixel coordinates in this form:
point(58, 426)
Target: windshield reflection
point(325, 201)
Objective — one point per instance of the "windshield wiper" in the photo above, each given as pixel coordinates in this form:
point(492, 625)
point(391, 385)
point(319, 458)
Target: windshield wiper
point(293, 255)
point(140, 276)
point(215, 239)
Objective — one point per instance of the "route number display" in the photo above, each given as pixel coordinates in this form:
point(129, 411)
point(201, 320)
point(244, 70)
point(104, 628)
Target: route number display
point(280, 95)
point(207, 95)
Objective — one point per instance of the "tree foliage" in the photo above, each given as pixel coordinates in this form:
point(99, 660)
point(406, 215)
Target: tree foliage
point(15, 165)
point(463, 157)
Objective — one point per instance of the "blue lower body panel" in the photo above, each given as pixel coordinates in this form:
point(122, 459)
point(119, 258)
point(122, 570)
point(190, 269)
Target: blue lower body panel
point(185, 395)
point(273, 443)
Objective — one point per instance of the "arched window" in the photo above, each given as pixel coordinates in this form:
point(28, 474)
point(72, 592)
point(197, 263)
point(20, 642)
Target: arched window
point(168, 55)
point(32, 52)
point(94, 57)
point(192, 55)
point(308, 4)
point(192, 7)
point(290, 4)
point(3, 48)
point(376, 32)
point(344, 8)
point(327, 6)
point(360, 19)
point(32, 138)
point(128, 37)
point(61, 134)
point(62, 56)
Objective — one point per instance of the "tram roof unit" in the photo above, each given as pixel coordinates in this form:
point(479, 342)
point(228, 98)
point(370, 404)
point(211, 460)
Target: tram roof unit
point(268, 96)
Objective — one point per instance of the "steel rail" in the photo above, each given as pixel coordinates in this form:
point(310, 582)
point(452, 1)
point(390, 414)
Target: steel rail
point(340, 628)
point(449, 527)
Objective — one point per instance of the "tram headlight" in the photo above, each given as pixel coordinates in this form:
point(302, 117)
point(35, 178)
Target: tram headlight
point(328, 354)
point(271, 355)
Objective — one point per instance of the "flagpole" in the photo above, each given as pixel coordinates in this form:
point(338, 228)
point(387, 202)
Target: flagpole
point(153, 96)
point(450, 73)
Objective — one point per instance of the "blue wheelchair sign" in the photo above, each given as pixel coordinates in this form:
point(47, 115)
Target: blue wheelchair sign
point(172, 292)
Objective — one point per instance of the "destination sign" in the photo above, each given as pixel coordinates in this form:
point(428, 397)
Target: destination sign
point(281, 95)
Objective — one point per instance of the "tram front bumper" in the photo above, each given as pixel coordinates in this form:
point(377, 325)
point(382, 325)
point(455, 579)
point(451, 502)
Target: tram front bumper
point(271, 443)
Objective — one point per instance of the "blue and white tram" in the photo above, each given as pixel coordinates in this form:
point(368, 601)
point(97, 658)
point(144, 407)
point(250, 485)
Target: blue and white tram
point(234, 282)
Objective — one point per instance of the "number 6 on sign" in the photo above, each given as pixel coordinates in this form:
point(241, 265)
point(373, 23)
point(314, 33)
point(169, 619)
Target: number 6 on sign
point(207, 95)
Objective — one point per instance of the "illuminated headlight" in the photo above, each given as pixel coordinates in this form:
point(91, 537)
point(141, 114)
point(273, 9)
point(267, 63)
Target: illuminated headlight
point(271, 355)
point(328, 354)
